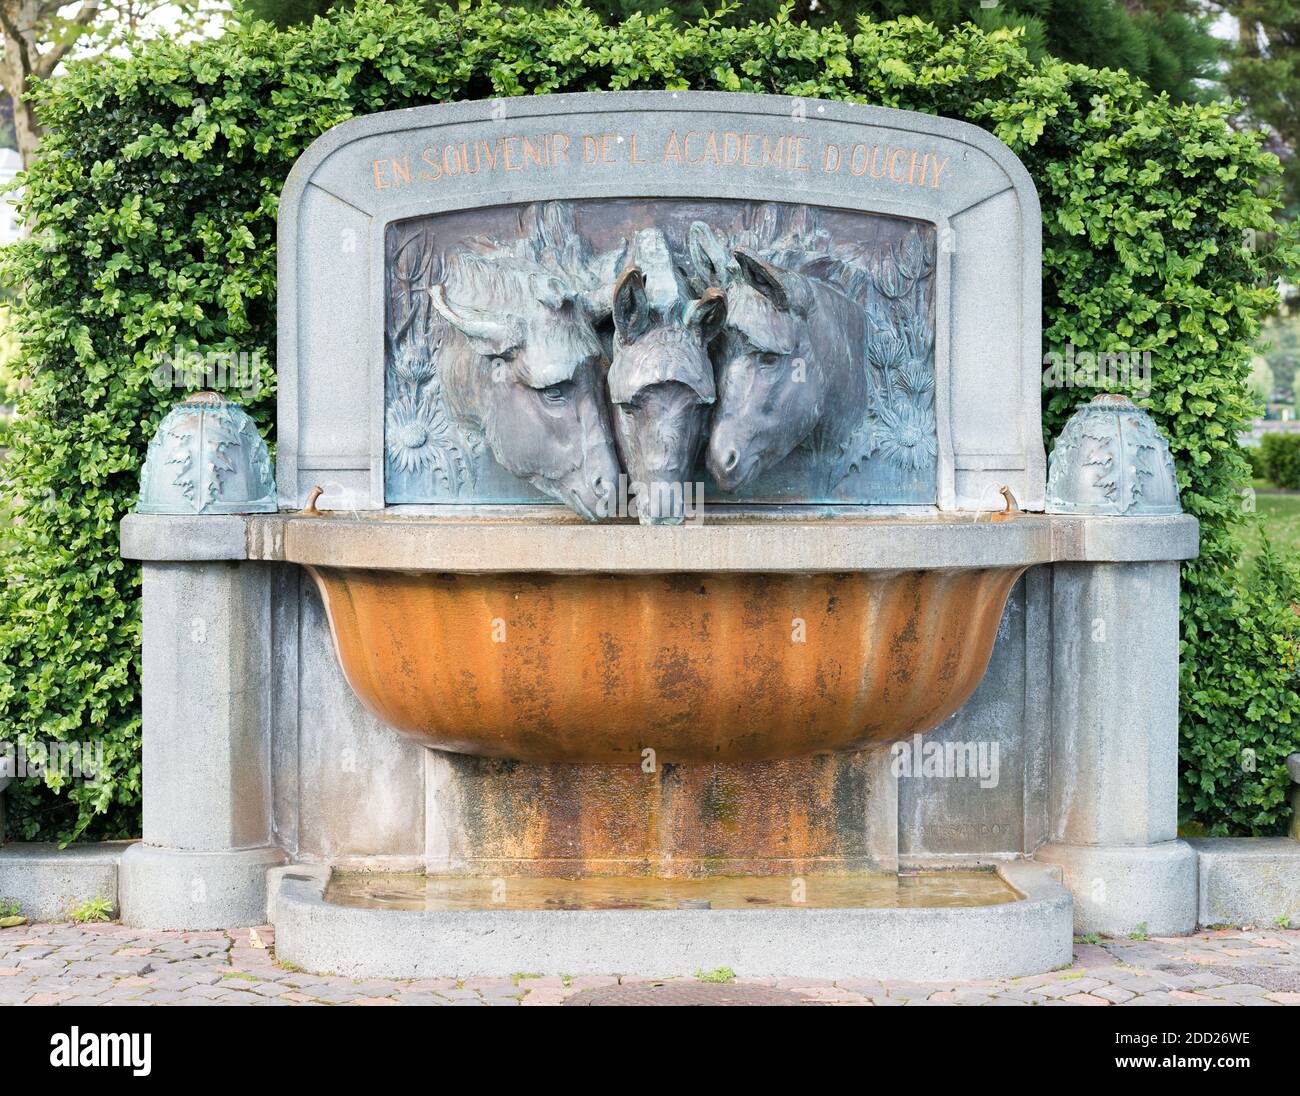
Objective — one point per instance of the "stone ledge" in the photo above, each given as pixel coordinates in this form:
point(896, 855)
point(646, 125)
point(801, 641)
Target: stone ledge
point(1248, 880)
point(547, 539)
point(48, 882)
point(184, 537)
point(1009, 940)
point(1125, 539)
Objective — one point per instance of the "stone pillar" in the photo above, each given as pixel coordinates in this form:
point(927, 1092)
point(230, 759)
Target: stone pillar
point(1114, 769)
point(206, 783)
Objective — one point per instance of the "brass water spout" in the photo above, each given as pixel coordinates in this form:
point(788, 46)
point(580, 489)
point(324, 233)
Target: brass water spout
point(1012, 508)
point(310, 511)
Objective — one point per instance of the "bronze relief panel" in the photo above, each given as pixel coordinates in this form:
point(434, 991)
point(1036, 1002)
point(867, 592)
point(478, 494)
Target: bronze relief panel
point(613, 353)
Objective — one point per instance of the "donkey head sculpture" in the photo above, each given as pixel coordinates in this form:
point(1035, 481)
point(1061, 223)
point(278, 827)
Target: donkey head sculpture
point(791, 364)
point(661, 379)
point(521, 364)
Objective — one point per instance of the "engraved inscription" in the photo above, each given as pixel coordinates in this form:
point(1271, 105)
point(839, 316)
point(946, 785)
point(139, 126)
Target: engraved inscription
point(727, 150)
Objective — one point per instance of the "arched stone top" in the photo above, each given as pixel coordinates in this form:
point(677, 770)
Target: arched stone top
point(371, 172)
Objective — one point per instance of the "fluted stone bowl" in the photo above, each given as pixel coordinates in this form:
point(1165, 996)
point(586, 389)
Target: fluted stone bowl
point(596, 668)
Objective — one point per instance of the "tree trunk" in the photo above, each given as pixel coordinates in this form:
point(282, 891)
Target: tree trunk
point(19, 20)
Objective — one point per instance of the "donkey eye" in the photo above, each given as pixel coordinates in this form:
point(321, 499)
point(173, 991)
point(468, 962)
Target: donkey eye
point(768, 359)
point(557, 393)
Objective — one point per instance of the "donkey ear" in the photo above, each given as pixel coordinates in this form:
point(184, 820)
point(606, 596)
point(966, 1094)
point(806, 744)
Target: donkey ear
point(709, 314)
point(550, 291)
point(708, 258)
point(631, 306)
point(785, 290)
point(597, 289)
point(488, 334)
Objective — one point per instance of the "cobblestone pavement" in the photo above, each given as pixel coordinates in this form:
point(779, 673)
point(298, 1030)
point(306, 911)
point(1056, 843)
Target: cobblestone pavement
point(108, 964)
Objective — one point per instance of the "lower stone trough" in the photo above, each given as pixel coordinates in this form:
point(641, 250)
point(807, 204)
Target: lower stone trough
point(663, 570)
point(1028, 932)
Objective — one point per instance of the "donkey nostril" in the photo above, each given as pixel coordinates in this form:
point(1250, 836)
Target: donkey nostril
point(600, 485)
point(731, 460)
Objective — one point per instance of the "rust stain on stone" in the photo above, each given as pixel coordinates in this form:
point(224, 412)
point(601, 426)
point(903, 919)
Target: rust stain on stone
point(592, 669)
point(755, 818)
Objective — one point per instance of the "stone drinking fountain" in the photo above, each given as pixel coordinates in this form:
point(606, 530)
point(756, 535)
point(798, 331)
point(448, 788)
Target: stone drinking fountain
point(663, 569)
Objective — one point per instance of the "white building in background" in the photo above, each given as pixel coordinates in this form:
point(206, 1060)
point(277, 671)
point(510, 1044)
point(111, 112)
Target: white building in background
point(10, 164)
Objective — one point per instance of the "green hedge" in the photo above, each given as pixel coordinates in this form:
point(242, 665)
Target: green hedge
point(153, 211)
point(1279, 457)
point(1255, 458)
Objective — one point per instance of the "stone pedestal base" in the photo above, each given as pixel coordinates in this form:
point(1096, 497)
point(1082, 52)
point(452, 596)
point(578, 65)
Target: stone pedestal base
point(1121, 889)
point(823, 813)
point(164, 888)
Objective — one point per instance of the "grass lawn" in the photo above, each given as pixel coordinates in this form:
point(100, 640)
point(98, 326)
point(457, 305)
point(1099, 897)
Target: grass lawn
point(1279, 517)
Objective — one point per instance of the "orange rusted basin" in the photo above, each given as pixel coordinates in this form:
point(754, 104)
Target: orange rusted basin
point(707, 667)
